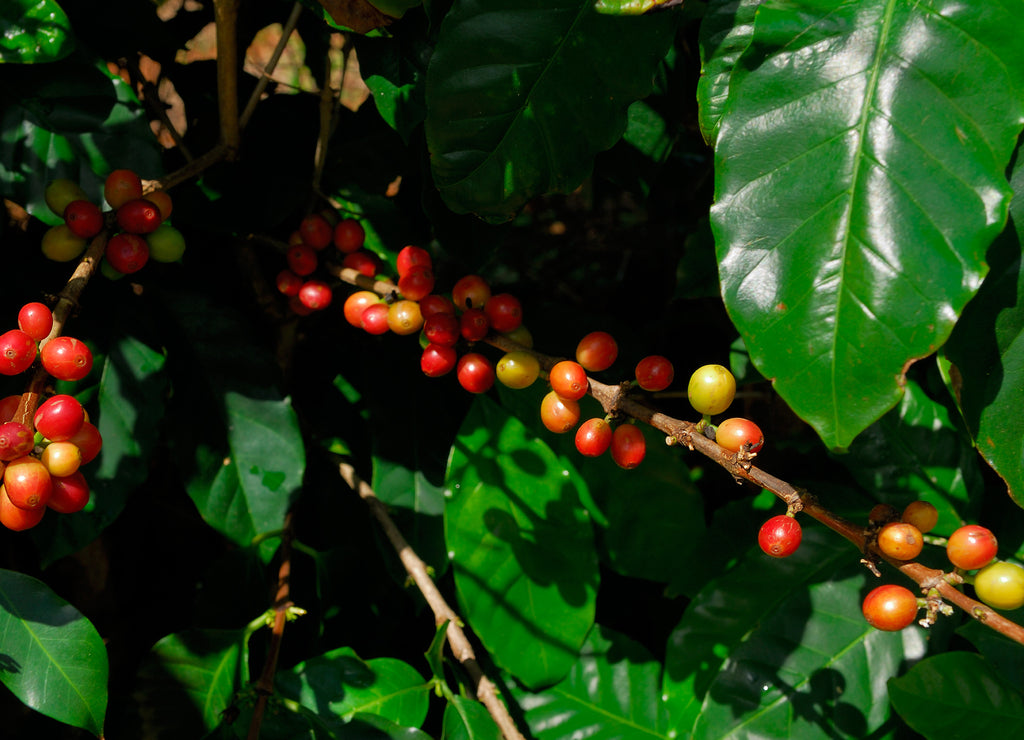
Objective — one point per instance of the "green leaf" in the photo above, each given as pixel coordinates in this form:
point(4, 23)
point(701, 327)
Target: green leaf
point(188, 680)
point(522, 94)
point(435, 653)
point(1002, 653)
point(613, 691)
point(465, 719)
point(957, 695)
point(51, 657)
point(779, 648)
point(33, 31)
point(986, 353)
point(521, 547)
point(724, 34)
point(341, 683)
point(859, 179)
point(632, 7)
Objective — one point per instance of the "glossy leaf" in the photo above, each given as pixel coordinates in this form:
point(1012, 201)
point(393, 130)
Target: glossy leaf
point(341, 683)
point(986, 352)
point(465, 719)
point(779, 648)
point(613, 691)
point(51, 656)
point(34, 31)
point(944, 695)
point(724, 34)
point(188, 680)
point(851, 227)
point(521, 547)
point(522, 94)
point(1001, 653)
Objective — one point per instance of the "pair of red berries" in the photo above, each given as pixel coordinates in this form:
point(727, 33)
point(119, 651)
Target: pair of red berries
point(65, 358)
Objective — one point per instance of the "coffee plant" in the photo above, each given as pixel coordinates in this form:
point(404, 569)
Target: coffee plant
point(448, 369)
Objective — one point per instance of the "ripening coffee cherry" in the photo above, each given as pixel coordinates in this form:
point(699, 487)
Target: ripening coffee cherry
point(780, 536)
point(16, 518)
point(922, 515)
point(16, 440)
point(518, 369)
point(166, 244)
point(88, 441)
point(475, 373)
point(739, 434)
point(364, 262)
point(971, 547)
point(416, 284)
point(569, 380)
point(593, 437)
point(1000, 585)
point(374, 319)
point(127, 253)
point(520, 335)
point(349, 235)
point(120, 187)
point(36, 320)
point(471, 291)
point(62, 192)
point(139, 216)
point(473, 324)
point(17, 352)
point(301, 259)
point(70, 494)
point(161, 200)
point(288, 282)
point(404, 317)
point(883, 513)
point(711, 389)
point(315, 231)
point(435, 303)
point(66, 358)
point(315, 295)
point(900, 540)
point(441, 328)
point(438, 360)
point(28, 483)
point(559, 414)
point(358, 302)
point(654, 373)
point(597, 351)
point(504, 312)
point(890, 608)
point(59, 417)
point(61, 459)
point(83, 218)
point(411, 257)
point(60, 244)
point(628, 446)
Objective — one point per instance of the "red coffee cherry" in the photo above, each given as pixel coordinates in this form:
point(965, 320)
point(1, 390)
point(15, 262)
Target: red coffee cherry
point(971, 547)
point(569, 380)
point(315, 295)
point(85, 219)
point(780, 536)
point(473, 324)
point(16, 440)
point(315, 231)
point(288, 283)
point(88, 441)
point(349, 235)
point(416, 284)
point(593, 437)
point(120, 187)
point(363, 262)
point(411, 257)
point(17, 352)
point(900, 540)
point(301, 259)
point(70, 493)
point(59, 417)
point(890, 608)
point(434, 303)
point(475, 373)
point(139, 216)
point(471, 291)
point(36, 320)
point(628, 446)
point(28, 483)
point(66, 358)
point(374, 319)
point(654, 373)
point(437, 360)
point(441, 328)
point(504, 311)
point(127, 253)
point(559, 414)
point(597, 351)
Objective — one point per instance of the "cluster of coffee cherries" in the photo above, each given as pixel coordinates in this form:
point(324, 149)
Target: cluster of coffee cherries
point(307, 293)
point(63, 357)
point(1000, 584)
point(143, 232)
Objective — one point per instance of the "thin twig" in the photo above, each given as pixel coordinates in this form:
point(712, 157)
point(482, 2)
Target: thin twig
point(151, 97)
point(268, 71)
point(461, 648)
point(226, 16)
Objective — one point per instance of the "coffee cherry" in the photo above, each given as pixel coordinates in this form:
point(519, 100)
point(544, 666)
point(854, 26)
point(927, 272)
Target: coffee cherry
point(297, 307)
point(166, 244)
point(60, 193)
point(504, 312)
point(70, 493)
point(349, 235)
point(66, 358)
point(518, 369)
point(60, 244)
point(471, 291)
point(36, 320)
point(374, 319)
point(59, 418)
point(83, 218)
point(61, 459)
point(780, 536)
point(363, 262)
point(569, 380)
point(739, 434)
point(120, 187)
point(520, 335)
point(559, 414)
point(441, 328)
point(416, 284)
point(17, 352)
point(473, 324)
point(404, 317)
point(437, 360)
point(1000, 585)
point(882, 514)
point(434, 303)
point(593, 437)
point(315, 231)
point(411, 257)
point(16, 518)
point(139, 216)
point(16, 440)
point(28, 483)
point(88, 441)
point(628, 446)
point(301, 259)
point(711, 389)
point(971, 547)
point(597, 351)
point(358, 302)
point(127, 253)
point(900, 540)
point(8, 408)
point(654, 373)
point(161, 200)
point(475, 373)
point(890, 608)
point(288, 282)
point(922, 515)
point(315, 295)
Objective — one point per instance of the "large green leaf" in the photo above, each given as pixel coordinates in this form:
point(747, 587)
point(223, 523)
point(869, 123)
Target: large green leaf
point(724, 34)
point(34, 31)
point(521, 94)
point(986, 352)
point(465, 719)
point(521, 547)
point(859, 179)
point(51, 657)
point(778, 648)
point(958, 695)
point(613, 691)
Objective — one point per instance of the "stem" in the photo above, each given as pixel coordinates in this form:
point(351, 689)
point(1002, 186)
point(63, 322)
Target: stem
point(275, 57)
point(226, 15)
